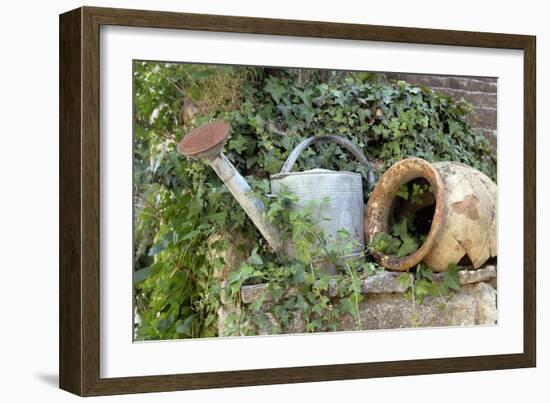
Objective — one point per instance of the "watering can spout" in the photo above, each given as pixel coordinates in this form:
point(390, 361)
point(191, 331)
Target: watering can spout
point(206, 142)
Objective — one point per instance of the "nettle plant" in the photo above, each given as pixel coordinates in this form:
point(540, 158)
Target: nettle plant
point(180, 206)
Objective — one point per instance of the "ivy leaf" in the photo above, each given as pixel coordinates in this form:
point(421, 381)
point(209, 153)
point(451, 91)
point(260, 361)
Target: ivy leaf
point(347, 305)
point(238, 144)
point(404, 279)
point(239, 276)
point(164, 324)
point(422, 288)
point(276, 291)
point(276, 89)
point(257, 303)
point(254, 259)
point(383, 242)
point(423, 272)
point(400, 229)
point(428, 274)
point(288, 142)
point(184, 327)
point(309, 278)
point(190, 235)
point(370, 268)
point(272, 161)
point(450, 278)
point(159, 246)
point(403, 192)
point(301, 303)
point(195, 207)
point(408, 246)
point(141, 275)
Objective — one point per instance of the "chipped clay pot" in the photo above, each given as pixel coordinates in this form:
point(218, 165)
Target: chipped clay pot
point(464, 219)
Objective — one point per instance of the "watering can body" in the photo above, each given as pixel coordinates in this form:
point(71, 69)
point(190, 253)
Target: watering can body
point(338, 200)
point(338, 195)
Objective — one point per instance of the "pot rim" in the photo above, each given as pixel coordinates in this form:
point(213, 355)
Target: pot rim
point(379, 208)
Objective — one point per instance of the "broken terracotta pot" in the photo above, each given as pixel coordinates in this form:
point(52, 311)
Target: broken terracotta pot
point(464, 213)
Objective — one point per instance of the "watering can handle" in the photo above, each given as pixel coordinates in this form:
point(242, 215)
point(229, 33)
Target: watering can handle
point(342, 141)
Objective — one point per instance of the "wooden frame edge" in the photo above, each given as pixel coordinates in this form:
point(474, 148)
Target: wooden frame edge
point(79, 201)
point(70, 275)
point(530, 201)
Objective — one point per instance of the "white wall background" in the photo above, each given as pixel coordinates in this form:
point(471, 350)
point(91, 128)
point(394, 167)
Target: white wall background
point(29, 199)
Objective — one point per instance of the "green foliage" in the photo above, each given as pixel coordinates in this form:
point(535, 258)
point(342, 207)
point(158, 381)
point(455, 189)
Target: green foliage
point(180, 206)
point(299, 287)
point(409, 243)
point(383, 242)
point(425, 283)
point(413, 191)
point(450, 279)
point(401, 243)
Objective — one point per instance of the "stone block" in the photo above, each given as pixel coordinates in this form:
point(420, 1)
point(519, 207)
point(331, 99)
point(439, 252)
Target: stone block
point(476, 98)
point(387, 282)
point(224, 323)
point(251, 293)
point(379, 283)
point(484, 117)
point(486, 273)
point(479, 84)
point(422, 79)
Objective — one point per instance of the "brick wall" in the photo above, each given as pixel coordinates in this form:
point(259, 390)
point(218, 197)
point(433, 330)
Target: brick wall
point(481, 92)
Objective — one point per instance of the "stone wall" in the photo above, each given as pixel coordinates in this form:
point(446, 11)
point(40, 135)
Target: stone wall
point(386, 305)
point(481, 92)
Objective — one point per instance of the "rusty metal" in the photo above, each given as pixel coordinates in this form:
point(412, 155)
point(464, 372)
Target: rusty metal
point(464, 219)
point(205, 141)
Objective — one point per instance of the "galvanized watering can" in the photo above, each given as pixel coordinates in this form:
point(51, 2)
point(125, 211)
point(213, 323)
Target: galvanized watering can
point(342, 191)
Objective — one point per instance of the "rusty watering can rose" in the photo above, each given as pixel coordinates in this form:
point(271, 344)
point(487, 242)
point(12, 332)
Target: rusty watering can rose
point(464, 218)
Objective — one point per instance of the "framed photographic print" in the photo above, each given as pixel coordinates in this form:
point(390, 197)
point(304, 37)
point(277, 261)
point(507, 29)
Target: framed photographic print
point(249, 201)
